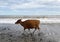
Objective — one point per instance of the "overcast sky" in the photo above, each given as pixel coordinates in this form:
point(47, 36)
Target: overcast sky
point(29, 7)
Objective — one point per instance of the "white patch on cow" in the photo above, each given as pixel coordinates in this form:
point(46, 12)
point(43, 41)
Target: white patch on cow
point(28, 19)
point(24, 20)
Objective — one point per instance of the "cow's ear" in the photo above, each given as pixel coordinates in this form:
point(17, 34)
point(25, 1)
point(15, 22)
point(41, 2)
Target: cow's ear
point(19, 20)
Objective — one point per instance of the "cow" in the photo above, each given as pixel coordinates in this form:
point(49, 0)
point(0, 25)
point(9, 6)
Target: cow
point(29, 24)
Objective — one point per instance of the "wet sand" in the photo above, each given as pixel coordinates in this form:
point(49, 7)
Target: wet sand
point(50, 32)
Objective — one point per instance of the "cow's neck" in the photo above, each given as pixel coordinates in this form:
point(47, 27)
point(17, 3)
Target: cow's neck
point(21, 23)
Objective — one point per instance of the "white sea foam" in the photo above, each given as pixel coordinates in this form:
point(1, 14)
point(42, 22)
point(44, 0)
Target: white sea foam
point(42, 20)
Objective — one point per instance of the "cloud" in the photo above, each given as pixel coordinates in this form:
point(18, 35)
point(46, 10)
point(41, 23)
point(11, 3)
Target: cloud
point(37, 4)
point(28, 4)
point(3, 4)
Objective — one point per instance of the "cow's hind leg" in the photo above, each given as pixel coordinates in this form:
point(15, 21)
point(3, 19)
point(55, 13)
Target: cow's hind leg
point(38, 28)
point(29, 30)
point(34, 31)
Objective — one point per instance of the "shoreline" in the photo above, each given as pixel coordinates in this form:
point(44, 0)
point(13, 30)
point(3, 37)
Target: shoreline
point(42, 20)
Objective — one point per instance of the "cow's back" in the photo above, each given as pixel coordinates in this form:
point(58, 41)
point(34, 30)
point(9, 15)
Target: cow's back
point(31, 23)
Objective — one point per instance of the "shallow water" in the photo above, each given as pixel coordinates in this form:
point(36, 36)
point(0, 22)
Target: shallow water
point(15, 33)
